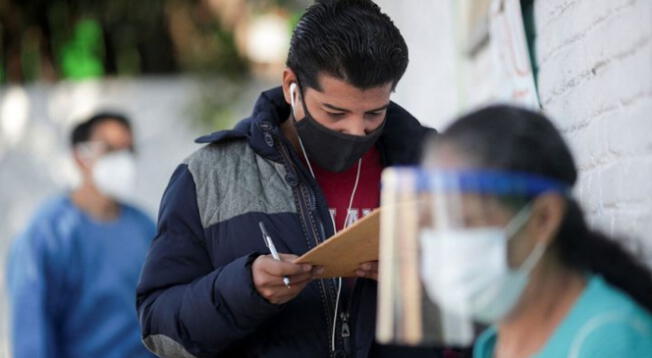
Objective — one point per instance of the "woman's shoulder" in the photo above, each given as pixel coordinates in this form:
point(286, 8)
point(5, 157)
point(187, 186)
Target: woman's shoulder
point(613, 324)
point(485, 343)
point(614, 334)
point(600, 297)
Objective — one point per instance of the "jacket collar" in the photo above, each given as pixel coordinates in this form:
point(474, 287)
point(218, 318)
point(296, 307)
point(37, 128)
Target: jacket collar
point(400, 143)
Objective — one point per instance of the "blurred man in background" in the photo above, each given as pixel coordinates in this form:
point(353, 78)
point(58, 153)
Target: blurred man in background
point(73, 272)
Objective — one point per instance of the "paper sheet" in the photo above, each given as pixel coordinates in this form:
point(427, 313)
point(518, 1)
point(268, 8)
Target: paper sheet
point(342, 253)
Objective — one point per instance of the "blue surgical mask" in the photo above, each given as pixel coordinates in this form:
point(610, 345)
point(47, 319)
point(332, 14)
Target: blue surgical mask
point(466, 271)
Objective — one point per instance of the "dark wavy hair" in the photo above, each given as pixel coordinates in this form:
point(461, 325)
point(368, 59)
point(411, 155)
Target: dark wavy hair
point(504, 137)
point(349, 39)
point(83, 131)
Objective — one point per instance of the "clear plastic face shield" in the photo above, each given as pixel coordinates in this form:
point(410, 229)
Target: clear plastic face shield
point(452, 253)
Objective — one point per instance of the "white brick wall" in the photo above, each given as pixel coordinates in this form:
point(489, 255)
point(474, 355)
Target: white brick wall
point(595, 81)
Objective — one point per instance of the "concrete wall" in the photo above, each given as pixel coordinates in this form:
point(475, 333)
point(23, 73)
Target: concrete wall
point(595, 81)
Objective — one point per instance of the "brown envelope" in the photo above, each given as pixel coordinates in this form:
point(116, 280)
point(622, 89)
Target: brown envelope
point(343, 252)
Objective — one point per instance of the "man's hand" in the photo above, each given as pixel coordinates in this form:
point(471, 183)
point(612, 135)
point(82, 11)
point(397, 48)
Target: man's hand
point(368, 270)
point(268, 277)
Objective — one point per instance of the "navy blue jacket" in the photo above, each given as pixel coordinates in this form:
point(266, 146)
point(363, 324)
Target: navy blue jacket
point(196, 297)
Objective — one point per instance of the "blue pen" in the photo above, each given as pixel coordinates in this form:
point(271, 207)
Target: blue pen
point(270, 245)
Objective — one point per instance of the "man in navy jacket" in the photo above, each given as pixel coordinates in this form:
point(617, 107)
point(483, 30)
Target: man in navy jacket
point(306, 163)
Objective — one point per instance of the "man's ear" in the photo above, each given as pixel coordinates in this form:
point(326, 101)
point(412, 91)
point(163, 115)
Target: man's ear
point(548, 212)
point(82, 163)
point(288, 79)
point(291, 88)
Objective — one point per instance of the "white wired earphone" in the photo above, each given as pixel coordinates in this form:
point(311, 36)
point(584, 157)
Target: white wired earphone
point(293, 89)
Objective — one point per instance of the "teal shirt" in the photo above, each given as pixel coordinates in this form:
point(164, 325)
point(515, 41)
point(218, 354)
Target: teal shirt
point(604, 322)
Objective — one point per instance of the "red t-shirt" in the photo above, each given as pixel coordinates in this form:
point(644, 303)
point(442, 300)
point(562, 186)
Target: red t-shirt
point(337, 188)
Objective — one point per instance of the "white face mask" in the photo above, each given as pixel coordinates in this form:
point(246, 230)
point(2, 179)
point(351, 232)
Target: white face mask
point(466, 271)
point(114, 174)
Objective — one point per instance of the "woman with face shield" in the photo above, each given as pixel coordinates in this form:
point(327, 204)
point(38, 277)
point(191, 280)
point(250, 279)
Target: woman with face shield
point(503, 243)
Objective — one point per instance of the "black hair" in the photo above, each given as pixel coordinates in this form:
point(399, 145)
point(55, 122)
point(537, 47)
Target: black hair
point(503, 137)
point(83, 131)
point(349, 39)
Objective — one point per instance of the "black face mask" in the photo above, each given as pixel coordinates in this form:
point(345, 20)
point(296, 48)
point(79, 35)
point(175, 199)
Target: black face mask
point(332, 150)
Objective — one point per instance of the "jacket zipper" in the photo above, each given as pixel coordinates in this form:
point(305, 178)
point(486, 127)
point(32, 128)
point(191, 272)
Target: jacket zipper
point(346, 332)
point(345, 316)
point(301, 198)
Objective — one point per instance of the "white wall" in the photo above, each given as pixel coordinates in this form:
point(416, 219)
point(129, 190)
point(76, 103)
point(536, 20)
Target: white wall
point(595, 81)
point(429, 88)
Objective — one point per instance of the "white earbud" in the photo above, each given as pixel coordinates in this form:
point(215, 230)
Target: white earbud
point(293, 89)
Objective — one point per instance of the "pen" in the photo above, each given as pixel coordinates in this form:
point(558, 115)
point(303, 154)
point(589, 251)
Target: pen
point(270, 245)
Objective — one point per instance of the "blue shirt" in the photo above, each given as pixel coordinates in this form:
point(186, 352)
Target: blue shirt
point(72, 283)
point(604, 322)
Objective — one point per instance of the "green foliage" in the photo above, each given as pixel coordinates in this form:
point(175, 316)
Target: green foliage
point(30, 57)
point(82, 56)
point(79, 39)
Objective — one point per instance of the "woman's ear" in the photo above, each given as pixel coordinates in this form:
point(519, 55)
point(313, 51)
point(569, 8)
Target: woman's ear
point(548, 211)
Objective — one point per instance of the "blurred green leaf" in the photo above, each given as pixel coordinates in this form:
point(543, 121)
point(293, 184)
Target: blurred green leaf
point(82, 56)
